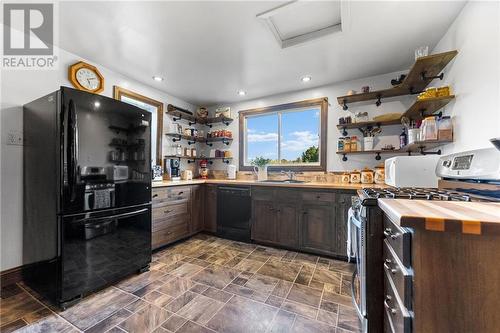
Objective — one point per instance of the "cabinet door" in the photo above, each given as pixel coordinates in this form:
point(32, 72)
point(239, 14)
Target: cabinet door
point(287, 225)
point(317, 226)
point(197, 209)
point(211, 208)
point(343, 205)
point(263, 221)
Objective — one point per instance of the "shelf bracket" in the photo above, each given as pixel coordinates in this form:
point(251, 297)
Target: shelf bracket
point(378, 157)
point(225, 161)
point(226, 123)
point(344, 157)
point(226, 142)
point(191, 161)
point(209, 125)
point(426, 78)
point(344, 131)
point(422, 152)
point(191, 142)
point(378, 102)
point(344, 105)
point(179, 138)
point(208, 143)
point(175, 119)
point(191, 123)
point(210, 162)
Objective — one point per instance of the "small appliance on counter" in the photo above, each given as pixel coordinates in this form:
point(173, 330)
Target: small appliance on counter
point(172, 169)
point(157, 173)
point(231, 171)
point(405, 171)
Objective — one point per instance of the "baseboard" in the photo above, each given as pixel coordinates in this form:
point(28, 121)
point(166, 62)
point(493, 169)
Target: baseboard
point(11, 276)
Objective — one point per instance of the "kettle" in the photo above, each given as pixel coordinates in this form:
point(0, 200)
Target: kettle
point(231, 171)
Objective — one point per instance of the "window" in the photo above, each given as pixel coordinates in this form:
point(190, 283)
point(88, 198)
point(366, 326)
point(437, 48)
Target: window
point(291, 136)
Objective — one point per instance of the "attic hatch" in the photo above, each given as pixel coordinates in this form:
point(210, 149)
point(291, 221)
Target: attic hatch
point(297, 22)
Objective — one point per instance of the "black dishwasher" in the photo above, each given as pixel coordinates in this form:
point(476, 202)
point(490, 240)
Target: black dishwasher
point(234, 210)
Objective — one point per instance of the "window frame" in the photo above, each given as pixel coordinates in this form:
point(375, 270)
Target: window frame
point(322, 103)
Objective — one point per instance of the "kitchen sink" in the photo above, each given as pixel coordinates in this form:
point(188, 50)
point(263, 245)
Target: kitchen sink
point(287, 181)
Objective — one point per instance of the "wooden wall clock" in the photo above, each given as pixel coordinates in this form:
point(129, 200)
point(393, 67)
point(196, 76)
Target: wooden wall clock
point(86, 77)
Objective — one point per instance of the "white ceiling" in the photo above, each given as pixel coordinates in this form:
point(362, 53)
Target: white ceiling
point(208, 50)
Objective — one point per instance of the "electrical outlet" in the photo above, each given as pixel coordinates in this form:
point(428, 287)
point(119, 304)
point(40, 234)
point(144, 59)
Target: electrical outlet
point(15, 138)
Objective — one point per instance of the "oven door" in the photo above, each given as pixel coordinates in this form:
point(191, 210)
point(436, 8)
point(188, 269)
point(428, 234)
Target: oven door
point(358, 283)
point(101, 248)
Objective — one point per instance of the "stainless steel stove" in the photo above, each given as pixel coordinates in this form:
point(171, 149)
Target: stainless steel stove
point(467, 176)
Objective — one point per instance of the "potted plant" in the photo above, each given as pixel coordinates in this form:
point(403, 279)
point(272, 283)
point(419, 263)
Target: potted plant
point(260, 167)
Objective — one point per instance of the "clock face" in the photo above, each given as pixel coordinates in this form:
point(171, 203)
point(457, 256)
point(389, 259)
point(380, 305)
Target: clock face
point(88, 79)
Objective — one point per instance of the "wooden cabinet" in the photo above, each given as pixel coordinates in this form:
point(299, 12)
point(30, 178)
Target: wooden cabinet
point(287, 233)
point(317, 228)
point(197, 209)
point(263, 221)
point(177, 212)
point(210, 208)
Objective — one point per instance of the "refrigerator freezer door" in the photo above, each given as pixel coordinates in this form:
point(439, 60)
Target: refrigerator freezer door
point(101, 132)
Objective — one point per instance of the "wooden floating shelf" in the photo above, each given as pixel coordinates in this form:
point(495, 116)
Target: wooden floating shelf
point(194, 139)
point(419, 110)
point(426, 107)
point(189, 159)
point(192, 120)
point(423, 71)
point(420, 147)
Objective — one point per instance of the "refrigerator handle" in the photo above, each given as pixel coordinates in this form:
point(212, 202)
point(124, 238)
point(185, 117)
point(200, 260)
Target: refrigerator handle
point(72, 149)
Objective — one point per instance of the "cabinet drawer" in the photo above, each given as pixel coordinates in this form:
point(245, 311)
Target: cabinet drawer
point(262, 194)
point(169, 222)
point(399, 275)
point(159, 194)
point(166, 210)
point(178, 193)
point(318, 196)
point(169, 235)
point(400, 241)
point(398, 314)
point(286, 195)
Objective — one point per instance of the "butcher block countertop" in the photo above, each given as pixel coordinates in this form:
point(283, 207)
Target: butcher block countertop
point(451, 216)
point(308, 185)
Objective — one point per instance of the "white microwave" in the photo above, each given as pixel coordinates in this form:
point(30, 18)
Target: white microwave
point(411, 171)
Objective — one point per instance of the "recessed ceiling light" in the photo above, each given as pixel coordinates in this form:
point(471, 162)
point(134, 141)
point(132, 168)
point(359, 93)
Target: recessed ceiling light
point(97, 104)
point(242, 92)
point(305, 79)
point(157, 78)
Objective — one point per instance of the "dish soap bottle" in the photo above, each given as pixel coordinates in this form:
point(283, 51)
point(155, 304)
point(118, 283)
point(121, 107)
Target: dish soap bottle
point(402, 139)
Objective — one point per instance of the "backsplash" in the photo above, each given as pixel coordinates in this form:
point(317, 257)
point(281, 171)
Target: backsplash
point(320, 177)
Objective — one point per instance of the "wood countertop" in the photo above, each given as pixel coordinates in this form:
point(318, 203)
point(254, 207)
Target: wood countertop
point(307, 185)
point(451, 216)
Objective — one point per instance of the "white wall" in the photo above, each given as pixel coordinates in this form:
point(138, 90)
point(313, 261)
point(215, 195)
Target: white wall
point(18, 88)
point(474, 75)
point(334, 161)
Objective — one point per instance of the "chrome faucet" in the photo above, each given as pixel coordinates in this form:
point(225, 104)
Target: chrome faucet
point(290, 174)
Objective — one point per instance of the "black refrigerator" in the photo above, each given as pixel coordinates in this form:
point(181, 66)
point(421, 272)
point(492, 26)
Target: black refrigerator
point(87, 193)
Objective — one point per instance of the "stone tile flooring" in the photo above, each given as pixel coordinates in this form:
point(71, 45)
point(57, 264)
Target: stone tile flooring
point(204, 284)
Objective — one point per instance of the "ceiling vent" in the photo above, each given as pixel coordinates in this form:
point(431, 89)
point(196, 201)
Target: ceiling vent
point(297, 22)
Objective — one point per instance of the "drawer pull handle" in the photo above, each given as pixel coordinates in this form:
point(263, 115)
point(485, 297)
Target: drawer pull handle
point(388, 307)
point(318, 196)
point(392, 270)
point(155, 195)
point(180, 193)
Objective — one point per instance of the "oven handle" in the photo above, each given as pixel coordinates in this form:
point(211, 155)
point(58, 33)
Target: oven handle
point(356, 306)
point(113, 217)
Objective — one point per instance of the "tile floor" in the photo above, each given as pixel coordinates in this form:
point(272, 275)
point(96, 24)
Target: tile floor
point(204, 284)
